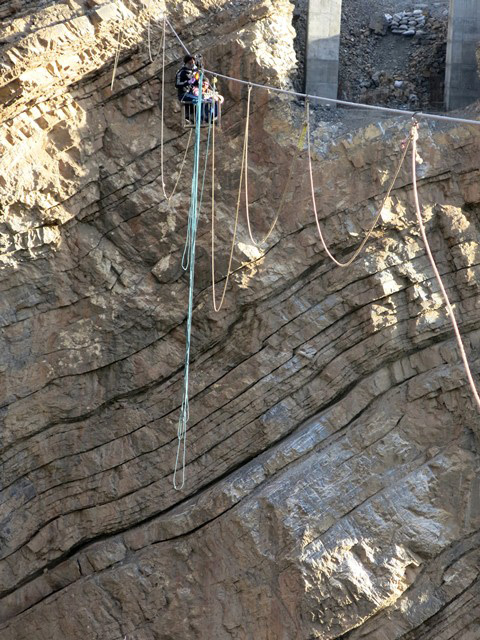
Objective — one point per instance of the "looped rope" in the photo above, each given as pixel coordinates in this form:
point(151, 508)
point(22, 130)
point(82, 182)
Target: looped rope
point(284, 193)
point(162, 120)
point(237, 210)
point(378, 215)
point(162, 116)
point(118, 48)
point(414, 138)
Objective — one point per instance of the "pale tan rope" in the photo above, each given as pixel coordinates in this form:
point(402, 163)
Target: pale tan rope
point(285, 189)
point(377, 217)
point(118, 49)
point(149, 34)
point(239, 197)
point(149, 24)
point(414, 137)
point(163, 109)
point(181, 166)
point(162, 118)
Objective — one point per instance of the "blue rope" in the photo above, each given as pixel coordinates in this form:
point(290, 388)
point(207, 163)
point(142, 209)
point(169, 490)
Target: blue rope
point(185, 255)
point(190, 264)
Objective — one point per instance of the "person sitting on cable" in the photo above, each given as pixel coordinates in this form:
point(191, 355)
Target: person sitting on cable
point(211, 97)
point(184, 83)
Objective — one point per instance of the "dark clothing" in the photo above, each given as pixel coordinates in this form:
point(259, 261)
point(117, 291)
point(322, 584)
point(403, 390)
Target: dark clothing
point(183, 81)
point(189, 100)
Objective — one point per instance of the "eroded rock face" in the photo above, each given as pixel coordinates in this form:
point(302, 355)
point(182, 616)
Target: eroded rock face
point(332, 479)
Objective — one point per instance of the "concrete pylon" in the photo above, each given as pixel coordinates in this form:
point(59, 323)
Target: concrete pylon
point(462, 82)
point(323, 45)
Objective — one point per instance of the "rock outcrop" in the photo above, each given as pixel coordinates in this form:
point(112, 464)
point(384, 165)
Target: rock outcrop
point(333, 448)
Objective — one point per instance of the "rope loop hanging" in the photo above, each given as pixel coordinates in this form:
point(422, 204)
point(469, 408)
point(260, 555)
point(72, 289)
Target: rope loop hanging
point(162, 127)
point(360, 248)
point(162, 114)
point(273, 224)
point(118, 46)
point(218, 306)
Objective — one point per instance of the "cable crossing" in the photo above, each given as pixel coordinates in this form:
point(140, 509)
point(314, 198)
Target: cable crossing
point(188, 260)
point(345, 103)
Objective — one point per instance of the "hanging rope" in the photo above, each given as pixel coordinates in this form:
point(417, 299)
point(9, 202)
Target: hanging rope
point(186, 254)
point(209, 136)
point(149, 37)
point(162, 127)
point(414, 138)
point(190, 246)
point(284, 193)
point(379, 213)
point(163, 111)
point(149, 24)
point(118, 49)
point(235, 224)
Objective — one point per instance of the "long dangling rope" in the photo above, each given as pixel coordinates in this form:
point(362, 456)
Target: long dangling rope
point(191, 242)
point(162, 116)
point(218, 306)
point(414, 138)
point(379, 213)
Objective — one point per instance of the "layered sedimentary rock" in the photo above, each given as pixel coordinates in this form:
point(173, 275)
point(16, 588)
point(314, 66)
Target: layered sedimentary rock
point(332, 471)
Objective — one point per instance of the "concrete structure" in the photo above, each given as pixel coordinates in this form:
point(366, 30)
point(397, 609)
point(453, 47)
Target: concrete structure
point(462, 82)
point(323, 43)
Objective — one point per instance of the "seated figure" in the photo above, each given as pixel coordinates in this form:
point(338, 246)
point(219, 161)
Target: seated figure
point(210, 100)
point(184, 82)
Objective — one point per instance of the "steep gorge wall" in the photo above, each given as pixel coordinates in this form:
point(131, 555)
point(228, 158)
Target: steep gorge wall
point(332, 479)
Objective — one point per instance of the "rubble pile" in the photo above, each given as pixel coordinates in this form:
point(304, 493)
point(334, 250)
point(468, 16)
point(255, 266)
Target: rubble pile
point(408, 23)
point(377, 66)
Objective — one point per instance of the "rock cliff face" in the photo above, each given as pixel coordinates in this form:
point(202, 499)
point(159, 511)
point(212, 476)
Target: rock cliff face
point(332, 480)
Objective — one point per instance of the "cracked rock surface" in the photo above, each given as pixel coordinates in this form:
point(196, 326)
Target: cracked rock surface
point(332, 483)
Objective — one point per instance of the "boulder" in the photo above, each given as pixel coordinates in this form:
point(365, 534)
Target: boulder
point(379, 24)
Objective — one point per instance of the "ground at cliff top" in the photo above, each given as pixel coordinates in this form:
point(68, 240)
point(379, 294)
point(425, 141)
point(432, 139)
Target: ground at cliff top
point(384, 69)
point(381, 67)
